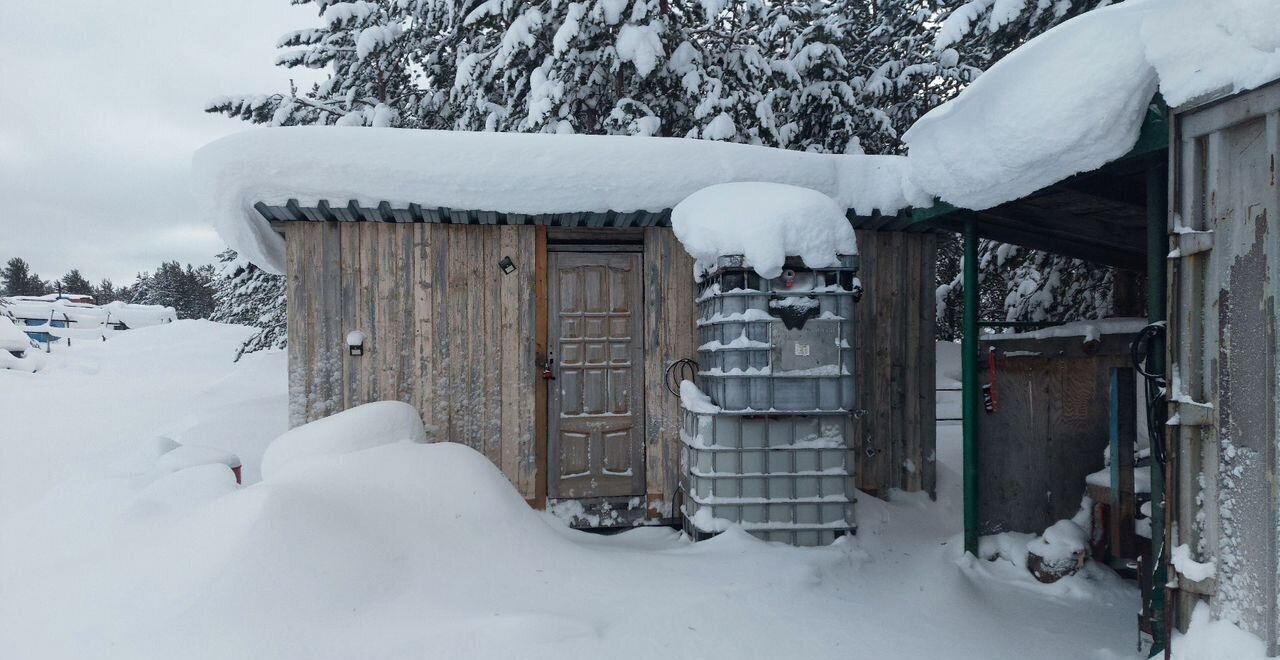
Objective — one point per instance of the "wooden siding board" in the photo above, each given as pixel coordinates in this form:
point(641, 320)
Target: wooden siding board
point(300, 333)
point(670, 334)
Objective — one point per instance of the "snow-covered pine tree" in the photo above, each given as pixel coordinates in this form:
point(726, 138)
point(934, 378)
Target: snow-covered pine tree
point(1019, 284)
point(370, 70)
point(835, 76)
point(247, 295)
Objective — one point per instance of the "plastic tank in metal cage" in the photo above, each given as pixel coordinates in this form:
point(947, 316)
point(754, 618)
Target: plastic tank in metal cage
point(780, 344)
point(785, 478)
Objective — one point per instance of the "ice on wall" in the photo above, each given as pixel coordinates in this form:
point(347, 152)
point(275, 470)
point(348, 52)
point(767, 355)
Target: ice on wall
point(763, 222)
point(1074, 98)
point(505, 173)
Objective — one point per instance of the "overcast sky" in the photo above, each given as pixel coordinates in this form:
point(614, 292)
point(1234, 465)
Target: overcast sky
point(100, 109)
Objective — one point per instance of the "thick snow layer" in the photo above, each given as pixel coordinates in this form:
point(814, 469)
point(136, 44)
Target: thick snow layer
point(1074, 98)
point(763, 222)
point(504, 172)
point(11, 338)
point(409, 551)
point(361, 427)
point(1085, 330)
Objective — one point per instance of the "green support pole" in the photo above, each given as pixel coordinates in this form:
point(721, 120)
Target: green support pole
point(972, 394)
point(1157, 247)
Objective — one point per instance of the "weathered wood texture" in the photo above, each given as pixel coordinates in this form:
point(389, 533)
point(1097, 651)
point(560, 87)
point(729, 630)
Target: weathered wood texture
point(448, 332)
point(670, 334)
point(1050, 430)
point(894, 361)
point(445, 330)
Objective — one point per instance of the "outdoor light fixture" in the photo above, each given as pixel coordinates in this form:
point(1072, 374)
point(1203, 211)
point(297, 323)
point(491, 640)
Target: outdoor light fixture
point(507, 265)
point(355, 342)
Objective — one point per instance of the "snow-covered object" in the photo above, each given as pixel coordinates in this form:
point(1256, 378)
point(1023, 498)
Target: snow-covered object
point(1063, 544)
point(694, 400)
point(187, 456)
point(1085, 330)
point(1074, 98)
point(362, 427)
point(505, 172)
point(1188, 567)
point(763, 222)
point(11, 338)
point(83, 316)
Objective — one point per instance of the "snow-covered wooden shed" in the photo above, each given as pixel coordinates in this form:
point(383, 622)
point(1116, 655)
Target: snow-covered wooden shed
point(461, 272)
point(1145, 136)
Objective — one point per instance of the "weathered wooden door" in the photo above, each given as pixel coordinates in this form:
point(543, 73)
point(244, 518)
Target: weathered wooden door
point(596, 439)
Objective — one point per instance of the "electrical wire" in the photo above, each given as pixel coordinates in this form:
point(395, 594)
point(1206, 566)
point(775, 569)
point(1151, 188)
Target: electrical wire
point(1156, 386)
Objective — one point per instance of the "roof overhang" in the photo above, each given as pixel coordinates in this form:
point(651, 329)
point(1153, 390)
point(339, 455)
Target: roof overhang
point(1099, 216)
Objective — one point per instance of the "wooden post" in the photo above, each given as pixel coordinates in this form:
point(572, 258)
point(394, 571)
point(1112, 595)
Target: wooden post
point(1124, 432)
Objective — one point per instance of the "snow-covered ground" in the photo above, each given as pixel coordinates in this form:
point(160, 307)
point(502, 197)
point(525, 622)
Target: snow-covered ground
point(424, 551)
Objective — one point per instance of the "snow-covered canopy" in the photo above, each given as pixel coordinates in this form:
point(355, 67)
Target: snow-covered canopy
point(1074, 98)
point(505, 173)
point(763, 222)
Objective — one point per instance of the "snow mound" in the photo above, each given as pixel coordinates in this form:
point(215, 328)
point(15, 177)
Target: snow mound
point(1207, 639)
point(505, 173)
point(763, 222)
point(1074, 98)
point(12, 338)
point(362, 427)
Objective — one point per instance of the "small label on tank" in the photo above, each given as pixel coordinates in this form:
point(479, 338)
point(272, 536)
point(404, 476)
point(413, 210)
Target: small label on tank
point(802, 350)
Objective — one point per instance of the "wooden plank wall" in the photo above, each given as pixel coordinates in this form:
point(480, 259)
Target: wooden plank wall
point(445, 330)
point(670, 335)
point(894, 360)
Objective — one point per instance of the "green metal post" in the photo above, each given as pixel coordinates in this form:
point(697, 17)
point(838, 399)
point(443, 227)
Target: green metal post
point(972, 395)
point(1157, 246)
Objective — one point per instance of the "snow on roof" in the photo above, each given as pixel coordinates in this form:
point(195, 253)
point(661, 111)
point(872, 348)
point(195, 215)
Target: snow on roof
point(1074, 98)
point(763, 222)
point(505, 173)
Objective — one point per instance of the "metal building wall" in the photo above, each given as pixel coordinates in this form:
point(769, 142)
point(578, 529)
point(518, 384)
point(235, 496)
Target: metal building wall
point(1224, 338)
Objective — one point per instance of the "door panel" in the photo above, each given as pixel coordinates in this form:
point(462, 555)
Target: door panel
point(596, 405)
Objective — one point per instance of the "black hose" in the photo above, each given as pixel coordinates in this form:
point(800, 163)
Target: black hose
point(678, 372)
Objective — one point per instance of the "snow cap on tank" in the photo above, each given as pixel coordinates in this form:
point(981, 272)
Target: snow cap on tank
point(764, 223)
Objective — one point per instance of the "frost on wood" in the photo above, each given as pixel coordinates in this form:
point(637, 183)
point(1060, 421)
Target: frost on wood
point(505, 172)
point(763, 222)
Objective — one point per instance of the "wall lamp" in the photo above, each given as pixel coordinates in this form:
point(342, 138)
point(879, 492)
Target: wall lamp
point(355, 342)
point(507, 265)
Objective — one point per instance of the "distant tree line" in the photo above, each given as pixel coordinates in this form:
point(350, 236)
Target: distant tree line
point(189, 290)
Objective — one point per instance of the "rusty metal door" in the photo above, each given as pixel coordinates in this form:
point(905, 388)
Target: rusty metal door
point(596, 402)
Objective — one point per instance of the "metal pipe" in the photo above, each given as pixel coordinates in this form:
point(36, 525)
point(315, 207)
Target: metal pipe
point(972, 397)
point(1157, 246)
